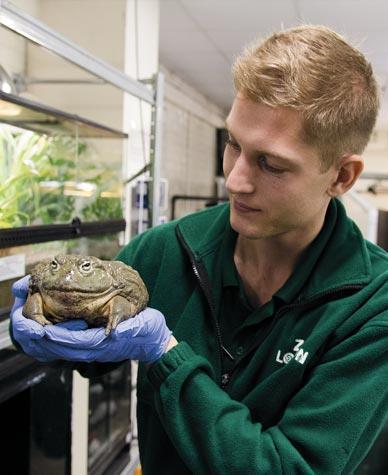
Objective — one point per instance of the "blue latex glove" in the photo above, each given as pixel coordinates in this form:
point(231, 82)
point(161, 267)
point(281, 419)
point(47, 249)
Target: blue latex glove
point(142, 338)
point(27, 332)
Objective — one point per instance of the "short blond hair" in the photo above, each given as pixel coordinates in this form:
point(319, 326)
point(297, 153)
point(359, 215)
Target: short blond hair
point(314, 70)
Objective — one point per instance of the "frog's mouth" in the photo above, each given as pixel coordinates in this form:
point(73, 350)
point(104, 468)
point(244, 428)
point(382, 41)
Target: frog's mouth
point(79, 290)
point(68, 300)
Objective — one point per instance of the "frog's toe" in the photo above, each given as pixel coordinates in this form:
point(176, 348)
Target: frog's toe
point(42, 320)
point(112, 323)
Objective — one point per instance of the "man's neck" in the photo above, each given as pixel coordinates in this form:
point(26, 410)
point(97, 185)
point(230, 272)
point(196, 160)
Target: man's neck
point(264, 265)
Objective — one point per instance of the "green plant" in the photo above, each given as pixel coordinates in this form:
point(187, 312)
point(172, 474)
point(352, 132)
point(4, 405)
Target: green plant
point(28, 159)
point(102, 207)
point(34, 173)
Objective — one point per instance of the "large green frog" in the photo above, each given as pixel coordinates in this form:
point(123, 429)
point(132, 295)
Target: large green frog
point(103, 293)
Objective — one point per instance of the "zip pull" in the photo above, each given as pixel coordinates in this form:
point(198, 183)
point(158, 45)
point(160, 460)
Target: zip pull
point(228, 354)
point(225, 378)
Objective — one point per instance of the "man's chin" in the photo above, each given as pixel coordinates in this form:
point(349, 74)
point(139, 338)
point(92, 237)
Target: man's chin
point(248, 231)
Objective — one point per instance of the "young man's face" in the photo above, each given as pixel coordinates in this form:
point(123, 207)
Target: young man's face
point(274, 179)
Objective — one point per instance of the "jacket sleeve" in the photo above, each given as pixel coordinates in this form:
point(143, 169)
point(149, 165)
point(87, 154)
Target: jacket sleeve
point(327, 427)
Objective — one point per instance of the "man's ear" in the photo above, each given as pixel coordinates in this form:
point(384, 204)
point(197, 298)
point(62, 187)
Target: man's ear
point(347, 172)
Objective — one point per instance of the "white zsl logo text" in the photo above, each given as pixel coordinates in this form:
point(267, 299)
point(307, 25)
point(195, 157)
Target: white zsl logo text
point(298, 353)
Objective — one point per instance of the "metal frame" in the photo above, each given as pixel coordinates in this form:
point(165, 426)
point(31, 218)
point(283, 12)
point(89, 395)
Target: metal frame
point(156, 148)
point(39, 33)
point(23, 235)
point(44, 119)
point(150, 91)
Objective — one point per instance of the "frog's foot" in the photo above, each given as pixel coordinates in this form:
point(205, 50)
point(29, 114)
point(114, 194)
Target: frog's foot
point(121, 309)
point(41, 319)
point(113, 322)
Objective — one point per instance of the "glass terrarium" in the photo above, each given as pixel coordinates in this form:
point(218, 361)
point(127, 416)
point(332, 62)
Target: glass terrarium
point(52, 179)
point(64, 172)
point(60, 189)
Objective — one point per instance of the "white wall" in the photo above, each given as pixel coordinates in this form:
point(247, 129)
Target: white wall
point(190, 119)
point(189, 147)
point(97, 26)
point(360, 208)
point(13, 47)
point(376, 153)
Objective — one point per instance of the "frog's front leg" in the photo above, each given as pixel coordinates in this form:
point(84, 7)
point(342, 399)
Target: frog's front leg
point(33, 309)
point(119, 309)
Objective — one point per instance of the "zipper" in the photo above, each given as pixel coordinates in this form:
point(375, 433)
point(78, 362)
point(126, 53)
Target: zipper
point(202, 277)
point(203, 280)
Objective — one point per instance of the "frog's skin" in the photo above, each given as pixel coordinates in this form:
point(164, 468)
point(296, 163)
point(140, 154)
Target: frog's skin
point(103, 293)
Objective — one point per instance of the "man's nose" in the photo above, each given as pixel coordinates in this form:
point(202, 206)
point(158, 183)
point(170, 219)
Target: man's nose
point(240, 178)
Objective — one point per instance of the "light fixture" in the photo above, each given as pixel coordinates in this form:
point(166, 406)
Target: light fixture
point(72, 188)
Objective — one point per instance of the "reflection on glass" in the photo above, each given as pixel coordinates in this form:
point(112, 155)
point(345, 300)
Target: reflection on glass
point(36, 421)
point(109, 414)
point(50, 424)
point(104, 247)
point(47, 180)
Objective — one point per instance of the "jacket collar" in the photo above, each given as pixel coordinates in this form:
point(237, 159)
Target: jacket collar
point(338, 256)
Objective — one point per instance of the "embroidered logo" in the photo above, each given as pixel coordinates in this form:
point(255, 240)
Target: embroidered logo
point(298, 354)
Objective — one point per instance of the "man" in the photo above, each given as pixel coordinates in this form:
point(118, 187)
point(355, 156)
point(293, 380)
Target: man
point(278, 361)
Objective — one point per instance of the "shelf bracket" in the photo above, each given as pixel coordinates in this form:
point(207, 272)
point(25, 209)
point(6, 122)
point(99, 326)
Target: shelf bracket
point(39, 33)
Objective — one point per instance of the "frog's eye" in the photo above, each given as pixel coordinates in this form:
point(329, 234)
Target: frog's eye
point(86, 266)
point(54, 265)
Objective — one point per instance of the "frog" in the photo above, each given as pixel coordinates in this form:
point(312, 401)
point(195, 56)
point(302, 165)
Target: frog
point(74, 286)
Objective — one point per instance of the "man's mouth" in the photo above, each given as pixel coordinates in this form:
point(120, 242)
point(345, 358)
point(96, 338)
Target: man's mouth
point(243, 208)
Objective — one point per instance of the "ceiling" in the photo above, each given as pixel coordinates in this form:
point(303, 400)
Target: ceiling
point(200, 38)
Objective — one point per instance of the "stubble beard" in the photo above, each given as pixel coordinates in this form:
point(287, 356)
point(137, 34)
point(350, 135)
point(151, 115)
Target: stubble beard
point(258, 231)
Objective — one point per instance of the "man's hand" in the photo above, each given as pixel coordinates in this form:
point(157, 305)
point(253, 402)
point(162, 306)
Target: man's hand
point(144, 337)
point(23, 329)
point(26, 332)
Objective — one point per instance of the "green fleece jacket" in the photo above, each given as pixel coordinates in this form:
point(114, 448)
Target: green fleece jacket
point(308, 397)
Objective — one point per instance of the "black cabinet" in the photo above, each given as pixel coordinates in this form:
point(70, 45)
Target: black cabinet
point(36, 404)
point(35, 411)
point(109, 420)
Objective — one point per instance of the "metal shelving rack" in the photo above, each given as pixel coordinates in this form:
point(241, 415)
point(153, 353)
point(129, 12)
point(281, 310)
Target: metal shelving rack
point(43, 119)
point(149, 91)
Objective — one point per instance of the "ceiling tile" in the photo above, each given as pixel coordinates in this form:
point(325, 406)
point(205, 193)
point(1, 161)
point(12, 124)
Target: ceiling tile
point(242, 14)
point(185, 42)
point(371, 43)
point(174, 17)
point(346, 15)
point(196, 61)
point(232, 42)
point(211, 33)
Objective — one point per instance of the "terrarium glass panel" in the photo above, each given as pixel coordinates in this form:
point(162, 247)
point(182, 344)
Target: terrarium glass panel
point(52, 179)
point(105, 247)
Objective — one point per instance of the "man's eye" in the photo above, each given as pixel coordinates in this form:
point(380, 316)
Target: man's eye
point(263, 162)
point(233, 145)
